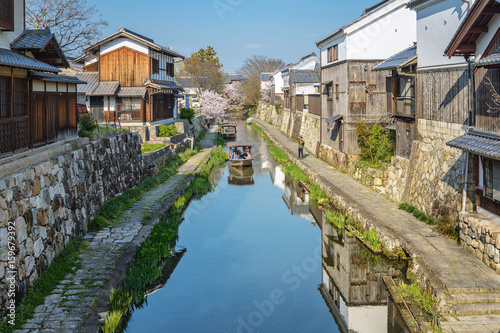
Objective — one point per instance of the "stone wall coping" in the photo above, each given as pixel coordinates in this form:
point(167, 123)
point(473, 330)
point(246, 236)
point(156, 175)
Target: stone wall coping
point(490, 227)
point(18, 162)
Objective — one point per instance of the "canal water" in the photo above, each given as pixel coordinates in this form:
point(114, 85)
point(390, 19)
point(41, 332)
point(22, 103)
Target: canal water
point(255, 256)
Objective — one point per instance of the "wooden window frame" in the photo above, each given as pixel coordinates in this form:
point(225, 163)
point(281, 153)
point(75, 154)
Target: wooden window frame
point(333, 53)
point(329, 91)
point(155, 66)
point(337, 92)
point(7, 15)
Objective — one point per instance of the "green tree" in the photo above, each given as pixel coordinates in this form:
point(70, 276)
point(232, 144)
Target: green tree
point(204, 68)
point(210, 55)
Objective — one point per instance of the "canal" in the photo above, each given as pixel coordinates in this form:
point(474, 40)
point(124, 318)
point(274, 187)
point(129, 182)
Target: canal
point(254, 256)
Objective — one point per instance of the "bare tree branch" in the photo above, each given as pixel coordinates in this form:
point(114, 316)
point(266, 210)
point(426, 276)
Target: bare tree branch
point(75, 24)
point(495, 96)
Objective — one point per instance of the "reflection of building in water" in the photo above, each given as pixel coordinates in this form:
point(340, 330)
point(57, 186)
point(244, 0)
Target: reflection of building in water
point(352, 283)
point(276, 173)
point(297, 200)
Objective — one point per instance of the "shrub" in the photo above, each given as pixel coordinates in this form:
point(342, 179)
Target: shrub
point(86, 126)
point(165, 131)
point(417, 213)
point(376, 144)
point(187, 113)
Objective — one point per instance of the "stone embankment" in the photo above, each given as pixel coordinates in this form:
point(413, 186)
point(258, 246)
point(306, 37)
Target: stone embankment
point(76, 303)
point(468, 292)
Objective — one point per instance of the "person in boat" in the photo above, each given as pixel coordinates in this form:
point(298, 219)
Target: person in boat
point(249, 155)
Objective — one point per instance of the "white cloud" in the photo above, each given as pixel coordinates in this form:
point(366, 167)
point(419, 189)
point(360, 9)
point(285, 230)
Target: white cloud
point(253, 46)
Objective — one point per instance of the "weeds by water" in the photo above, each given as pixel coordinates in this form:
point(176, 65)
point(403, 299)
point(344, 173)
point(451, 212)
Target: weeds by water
point(152, 254)
point(151, 147)
point(65, 263)
point(295, 172)
point(417, 213)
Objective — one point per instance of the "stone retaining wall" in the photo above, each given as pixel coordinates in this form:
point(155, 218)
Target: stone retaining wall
point(157, 160)
point(481, 237)
point(51, 202)
point(397, 178)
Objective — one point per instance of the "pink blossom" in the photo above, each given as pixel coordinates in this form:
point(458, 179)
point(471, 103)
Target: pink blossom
point(213, 105)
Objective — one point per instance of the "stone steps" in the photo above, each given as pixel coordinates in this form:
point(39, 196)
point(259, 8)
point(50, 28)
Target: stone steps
point(476, 324)
point(477, 309)
point(476, 298)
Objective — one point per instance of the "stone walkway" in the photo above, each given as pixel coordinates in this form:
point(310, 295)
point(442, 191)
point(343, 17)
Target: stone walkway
point(470, 288)
point(69, 305)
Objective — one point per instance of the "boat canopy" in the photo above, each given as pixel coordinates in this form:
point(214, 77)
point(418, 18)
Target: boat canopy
point(240, 144)
point(228, 124)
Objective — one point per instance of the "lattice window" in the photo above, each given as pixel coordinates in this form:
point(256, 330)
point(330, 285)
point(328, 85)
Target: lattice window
point(5, 92)
point(5, 138)
point(20, 97)
point(21, 134)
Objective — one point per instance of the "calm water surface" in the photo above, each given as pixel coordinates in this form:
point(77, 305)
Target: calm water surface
point(258, 258)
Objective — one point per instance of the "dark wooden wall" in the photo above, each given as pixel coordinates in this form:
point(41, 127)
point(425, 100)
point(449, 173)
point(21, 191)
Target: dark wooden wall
point(129, 67)
point(443, 95)
point(487, 113)
point(406, 132)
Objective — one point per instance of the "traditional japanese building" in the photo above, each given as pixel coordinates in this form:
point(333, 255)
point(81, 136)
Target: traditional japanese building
point(130, 80)
point(37, 106)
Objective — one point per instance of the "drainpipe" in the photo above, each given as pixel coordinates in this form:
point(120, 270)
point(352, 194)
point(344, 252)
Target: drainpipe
point(469, 123)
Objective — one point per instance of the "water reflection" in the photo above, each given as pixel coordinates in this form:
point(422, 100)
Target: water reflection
point(352, 283)
point(240, 176)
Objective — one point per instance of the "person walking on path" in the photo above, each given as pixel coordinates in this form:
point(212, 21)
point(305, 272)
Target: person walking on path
point(301, 147)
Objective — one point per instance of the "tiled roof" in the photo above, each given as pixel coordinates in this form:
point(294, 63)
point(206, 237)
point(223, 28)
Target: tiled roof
point(131, 91)
point(233, 77)
point(32, 40)
point(162, 85)
point(265, 76)
point(106, 88)
point(479, 143)
point(491, 60)
point(414, 3)
point(9, 58)
point(134, 35)
point(92, 79)
point(398, 59)
point(189, 82)
point(366, 12)
point(304, 76)
point(56, 78)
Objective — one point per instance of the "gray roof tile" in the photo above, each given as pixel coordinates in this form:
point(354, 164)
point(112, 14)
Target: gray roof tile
point(106, 88)
point(32, 40)
point(163, 85)
point(56, 78)
point(9, 58)
point(491, 60)
point(397, 60)
point(475, 142)
point(92, 79)
point(304, 76)
point(131, 91)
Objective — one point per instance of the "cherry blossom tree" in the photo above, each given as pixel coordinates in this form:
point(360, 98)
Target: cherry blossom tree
point(213, 105)
point(234, 92)
point(265, 89)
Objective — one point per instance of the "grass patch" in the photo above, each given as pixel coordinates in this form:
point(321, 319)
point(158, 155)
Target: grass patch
point(417, 213)
point(260, 131)
point(371, 164)
point(295, 172)
point(115, 207)
point(151, 147)
point(66, 262)
point(279, 156)
point(145, 219)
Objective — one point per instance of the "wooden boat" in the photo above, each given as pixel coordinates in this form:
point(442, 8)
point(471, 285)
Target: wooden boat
point(244, 147)
point(228, 130)
point(240, 176)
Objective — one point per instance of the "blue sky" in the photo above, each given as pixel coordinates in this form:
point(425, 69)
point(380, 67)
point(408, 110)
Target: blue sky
point(236, 29)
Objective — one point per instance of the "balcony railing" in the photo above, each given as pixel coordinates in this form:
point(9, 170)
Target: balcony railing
point(404, 107)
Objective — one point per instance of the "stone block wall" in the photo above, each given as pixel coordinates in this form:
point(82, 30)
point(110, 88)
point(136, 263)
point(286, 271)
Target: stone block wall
point(481, 237)
point(51, 202)
point(157, 160)
point(310, 130)
point(334, 157)
point(397, 178)
point(438, 177)
point(369, 176)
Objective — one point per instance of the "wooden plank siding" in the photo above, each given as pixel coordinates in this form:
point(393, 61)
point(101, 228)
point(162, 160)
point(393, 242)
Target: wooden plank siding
point(443, 95)
point(314, 105)
point(487, 116)
point(94, 67)
point(129, 67)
